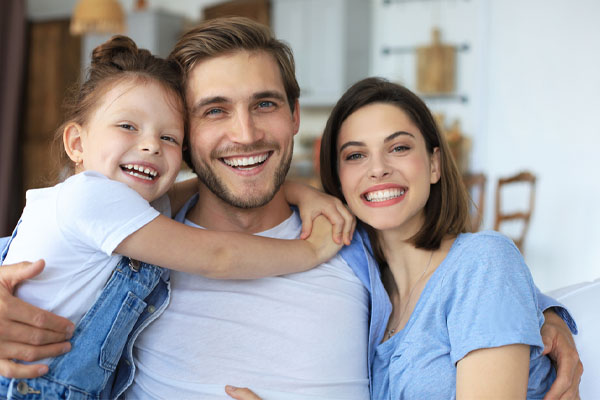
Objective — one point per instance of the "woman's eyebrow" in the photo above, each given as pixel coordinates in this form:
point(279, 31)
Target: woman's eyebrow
point(352, 143)
point(396, 134)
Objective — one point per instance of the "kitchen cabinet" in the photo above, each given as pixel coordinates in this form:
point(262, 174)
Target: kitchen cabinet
point(155, 30)
point(330, 40)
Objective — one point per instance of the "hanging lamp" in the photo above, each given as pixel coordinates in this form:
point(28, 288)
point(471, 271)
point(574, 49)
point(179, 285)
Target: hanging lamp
point(97, 16)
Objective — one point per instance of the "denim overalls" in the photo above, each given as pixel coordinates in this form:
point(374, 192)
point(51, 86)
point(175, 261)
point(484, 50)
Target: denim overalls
point(125, 306)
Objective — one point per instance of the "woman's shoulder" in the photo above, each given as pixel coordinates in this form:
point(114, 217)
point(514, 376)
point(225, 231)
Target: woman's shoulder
point(487, 253)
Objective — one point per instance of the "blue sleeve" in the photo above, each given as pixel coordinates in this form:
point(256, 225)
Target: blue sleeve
point(545, 302)
point(491, 299)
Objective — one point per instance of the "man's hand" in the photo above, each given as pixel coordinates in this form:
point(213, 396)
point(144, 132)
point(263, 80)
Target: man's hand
point(241, 393)
point(27, 333)
point(560, 347)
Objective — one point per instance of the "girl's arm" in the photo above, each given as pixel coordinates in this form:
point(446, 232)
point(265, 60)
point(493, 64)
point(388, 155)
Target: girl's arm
point(494, 373)
point(227, 255)
point(312, 203)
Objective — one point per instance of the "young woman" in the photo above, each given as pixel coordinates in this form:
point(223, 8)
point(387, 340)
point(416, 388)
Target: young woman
point(464, 321)
point(123, 134)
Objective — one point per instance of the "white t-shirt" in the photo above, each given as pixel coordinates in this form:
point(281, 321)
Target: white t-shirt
point(75, 227)
point(298, 336)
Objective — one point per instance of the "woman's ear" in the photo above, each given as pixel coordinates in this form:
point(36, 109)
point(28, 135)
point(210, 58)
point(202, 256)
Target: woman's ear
point(72, 142)
point(435, 166)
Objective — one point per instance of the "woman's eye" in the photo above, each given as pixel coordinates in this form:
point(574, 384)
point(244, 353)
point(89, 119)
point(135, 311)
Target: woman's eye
point(400, 148)
point(353, 156)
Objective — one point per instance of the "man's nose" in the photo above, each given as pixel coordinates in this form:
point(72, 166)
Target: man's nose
point(244, 129)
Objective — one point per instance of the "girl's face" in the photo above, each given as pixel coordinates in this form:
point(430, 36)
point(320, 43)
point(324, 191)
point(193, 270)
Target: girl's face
point(135, 136)
point(384, 168)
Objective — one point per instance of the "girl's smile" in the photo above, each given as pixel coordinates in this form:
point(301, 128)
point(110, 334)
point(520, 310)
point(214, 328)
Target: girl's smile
point(134, 136)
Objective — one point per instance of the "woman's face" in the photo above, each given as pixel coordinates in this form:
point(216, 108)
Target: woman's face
point(384, 168)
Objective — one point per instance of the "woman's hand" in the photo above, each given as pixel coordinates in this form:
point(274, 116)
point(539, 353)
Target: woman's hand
point(241, 393)
point(312, 203)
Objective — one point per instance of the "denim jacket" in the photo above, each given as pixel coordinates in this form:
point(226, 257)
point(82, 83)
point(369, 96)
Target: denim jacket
point(99, 340)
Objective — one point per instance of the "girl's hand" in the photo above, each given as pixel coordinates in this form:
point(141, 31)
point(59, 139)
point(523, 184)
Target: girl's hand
point(241, 393)
point(321, 239)
point(313, 203)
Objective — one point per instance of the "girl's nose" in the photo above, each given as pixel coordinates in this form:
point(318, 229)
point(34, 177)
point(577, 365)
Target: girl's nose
point(151, 145)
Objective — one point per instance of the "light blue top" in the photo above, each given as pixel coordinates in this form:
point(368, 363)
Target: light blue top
point(482, 295)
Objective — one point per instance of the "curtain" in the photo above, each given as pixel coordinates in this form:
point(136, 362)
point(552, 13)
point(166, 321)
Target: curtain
point(12, 72)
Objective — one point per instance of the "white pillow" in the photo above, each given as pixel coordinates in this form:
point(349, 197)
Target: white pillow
point(583, 302)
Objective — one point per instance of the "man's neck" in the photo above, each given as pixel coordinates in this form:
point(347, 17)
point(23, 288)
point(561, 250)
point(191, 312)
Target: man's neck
point(211, 212)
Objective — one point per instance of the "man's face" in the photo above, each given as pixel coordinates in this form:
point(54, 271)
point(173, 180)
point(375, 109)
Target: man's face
point(241, 127)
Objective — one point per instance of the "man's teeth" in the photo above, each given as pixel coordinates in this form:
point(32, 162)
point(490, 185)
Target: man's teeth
point(383, 195)
point(140, 171)
point(245, 161)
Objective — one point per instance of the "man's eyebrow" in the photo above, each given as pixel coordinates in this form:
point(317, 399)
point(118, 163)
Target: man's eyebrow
point(268, 94)
point(208, 101)
point(387, 139)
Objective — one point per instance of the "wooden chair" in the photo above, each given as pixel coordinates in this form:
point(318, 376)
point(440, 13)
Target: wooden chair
point(475, 184)
point(523, 216)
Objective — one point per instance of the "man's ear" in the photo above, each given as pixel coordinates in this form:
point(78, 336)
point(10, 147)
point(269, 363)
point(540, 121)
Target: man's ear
point(296, 116)
point(72, 142)
point(435, 166)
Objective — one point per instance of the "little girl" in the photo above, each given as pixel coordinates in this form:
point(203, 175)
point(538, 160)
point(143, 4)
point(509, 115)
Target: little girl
point(124, 133)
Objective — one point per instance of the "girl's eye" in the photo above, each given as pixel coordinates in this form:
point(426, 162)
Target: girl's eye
point(127, 127)
point(353, 156)
point(169, 139)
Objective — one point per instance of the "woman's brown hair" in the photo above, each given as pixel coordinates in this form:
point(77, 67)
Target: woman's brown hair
point(447, 209)
point(114, 61)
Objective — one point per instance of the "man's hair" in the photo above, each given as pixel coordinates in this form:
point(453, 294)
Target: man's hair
point(447, 209)
point(221, 36)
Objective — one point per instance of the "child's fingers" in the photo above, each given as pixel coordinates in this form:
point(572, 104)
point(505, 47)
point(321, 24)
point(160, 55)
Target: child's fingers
point(349, 223)
point(307, 222)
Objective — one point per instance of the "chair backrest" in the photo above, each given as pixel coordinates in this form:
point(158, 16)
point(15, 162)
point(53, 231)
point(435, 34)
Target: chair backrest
point(524, 215)
point(475, 184)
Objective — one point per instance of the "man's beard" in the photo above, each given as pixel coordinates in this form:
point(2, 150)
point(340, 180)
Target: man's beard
point(212, 181)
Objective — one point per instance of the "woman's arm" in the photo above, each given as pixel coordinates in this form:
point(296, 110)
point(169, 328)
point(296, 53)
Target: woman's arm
point(312, 203)
point(227, 255)
point(494, 373)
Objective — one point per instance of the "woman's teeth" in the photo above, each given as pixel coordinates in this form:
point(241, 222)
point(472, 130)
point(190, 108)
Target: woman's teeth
point(383, 195)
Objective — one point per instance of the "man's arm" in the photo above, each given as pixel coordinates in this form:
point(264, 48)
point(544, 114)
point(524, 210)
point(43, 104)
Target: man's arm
point(27, 333)
point(557, 335)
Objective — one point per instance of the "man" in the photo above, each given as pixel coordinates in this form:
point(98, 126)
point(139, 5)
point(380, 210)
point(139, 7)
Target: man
point(307, 335)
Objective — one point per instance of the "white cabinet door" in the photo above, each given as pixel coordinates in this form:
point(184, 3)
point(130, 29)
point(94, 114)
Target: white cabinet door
point(318, 32)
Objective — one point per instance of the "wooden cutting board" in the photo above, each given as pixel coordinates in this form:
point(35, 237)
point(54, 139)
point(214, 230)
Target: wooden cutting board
point(436, 67)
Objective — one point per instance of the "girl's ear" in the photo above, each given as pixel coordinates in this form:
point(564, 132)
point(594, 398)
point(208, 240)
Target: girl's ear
point(435, 166)
point(72, 142)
